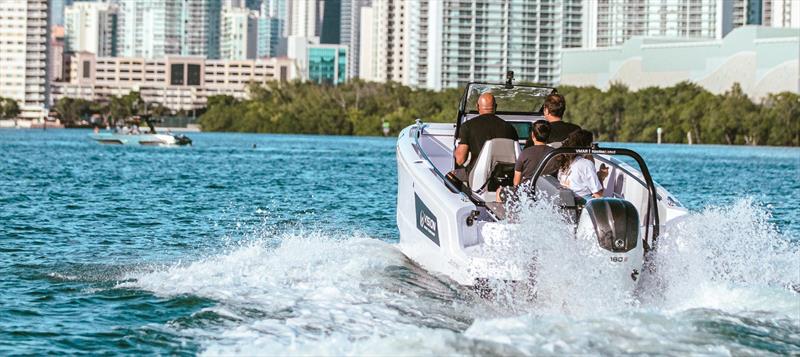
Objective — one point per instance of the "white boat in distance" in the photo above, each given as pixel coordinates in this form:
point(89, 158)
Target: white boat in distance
point(150, 138)
point(445, 225)
point(141, 139)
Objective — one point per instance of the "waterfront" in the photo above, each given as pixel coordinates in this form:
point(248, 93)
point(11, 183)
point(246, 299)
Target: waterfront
point(287, 248)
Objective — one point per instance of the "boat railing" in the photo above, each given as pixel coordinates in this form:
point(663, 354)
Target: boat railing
point(419, 128)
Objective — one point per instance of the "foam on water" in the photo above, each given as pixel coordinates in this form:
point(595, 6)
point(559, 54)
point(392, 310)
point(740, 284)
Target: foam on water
point(720, 271)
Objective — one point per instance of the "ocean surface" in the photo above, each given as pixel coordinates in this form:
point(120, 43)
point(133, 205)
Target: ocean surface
point(286, 245)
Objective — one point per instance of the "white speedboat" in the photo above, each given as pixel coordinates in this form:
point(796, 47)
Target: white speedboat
point(150, 138)
point(141, 139)
point(445, 224)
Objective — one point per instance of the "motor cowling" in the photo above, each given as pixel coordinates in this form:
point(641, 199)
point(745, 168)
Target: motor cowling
point(615, 223)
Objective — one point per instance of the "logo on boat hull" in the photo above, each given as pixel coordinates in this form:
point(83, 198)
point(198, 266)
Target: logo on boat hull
point(426, 221)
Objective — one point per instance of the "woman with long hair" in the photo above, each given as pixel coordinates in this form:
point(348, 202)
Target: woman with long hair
point(575, 171)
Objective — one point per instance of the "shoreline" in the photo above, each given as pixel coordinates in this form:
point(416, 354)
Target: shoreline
point(196, 129)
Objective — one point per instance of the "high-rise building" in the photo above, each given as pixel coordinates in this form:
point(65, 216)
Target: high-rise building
point(23, 55)
point(268, 37)
point(91, 27)
point(57, 56)
point(612, 22)
point(154, 28)
point(57, 11)
point(303, 18)
point(199, 28)
point(238, 33)
point(384, 41)
point(482, 40)
point(330, 30)
point(781, 13)
point(350, 32)
point(148, 28)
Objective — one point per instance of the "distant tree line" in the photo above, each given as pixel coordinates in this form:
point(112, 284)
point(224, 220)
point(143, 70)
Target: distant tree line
point(617, 114)
point(74, 112)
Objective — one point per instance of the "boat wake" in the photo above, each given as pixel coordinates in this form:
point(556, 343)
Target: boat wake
point(725, 283)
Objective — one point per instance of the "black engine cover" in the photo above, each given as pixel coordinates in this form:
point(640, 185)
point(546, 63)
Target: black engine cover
point(615, 222)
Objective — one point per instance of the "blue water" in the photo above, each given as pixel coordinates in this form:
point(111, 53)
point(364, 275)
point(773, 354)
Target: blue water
point(286, 248)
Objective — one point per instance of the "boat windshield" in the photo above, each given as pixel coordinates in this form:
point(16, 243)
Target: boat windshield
point(518, 99)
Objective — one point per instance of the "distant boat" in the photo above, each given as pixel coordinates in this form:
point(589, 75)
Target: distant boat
point(141, 139)
point(150, 138)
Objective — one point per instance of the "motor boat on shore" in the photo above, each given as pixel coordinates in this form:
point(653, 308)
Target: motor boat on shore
point(445, 225)
point(132, 136)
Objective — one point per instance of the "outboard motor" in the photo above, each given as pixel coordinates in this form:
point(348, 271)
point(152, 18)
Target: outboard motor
point(181, 139)
point(614, 224)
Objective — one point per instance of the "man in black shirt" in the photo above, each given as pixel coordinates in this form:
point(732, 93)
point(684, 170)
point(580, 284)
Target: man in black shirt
point(477, 131)
point(554, 108)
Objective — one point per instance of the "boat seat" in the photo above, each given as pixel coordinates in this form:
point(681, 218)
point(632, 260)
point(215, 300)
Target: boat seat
point(496, 158)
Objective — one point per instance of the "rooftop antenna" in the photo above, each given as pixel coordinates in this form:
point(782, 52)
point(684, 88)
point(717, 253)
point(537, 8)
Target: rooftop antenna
point(509, 79)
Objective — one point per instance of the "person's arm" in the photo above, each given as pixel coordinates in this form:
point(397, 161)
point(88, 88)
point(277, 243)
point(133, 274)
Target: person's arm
point(460, 154)
point(517, 178)
point(594, 182)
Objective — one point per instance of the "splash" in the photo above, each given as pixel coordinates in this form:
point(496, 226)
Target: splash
point(726, 257)
point(301, 292)
point(729, 258)
point(289, 291)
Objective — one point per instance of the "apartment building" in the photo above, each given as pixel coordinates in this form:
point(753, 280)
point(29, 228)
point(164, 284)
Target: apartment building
point(91, 27)
point(482, 40)
point(156, 28)
point(177, 82)
point(238, 33)
point(24, 41)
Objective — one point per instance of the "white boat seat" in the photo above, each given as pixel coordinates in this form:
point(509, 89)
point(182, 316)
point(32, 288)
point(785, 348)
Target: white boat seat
point(495, 151)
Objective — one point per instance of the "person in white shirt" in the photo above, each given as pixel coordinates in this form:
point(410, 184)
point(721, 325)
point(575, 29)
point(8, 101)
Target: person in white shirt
point(578, 173)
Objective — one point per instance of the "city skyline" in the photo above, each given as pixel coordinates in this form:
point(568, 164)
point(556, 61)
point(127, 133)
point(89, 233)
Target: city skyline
point(423, 44)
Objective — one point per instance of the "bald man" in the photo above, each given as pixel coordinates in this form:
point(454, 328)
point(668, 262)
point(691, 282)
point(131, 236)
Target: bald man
point(477, 131)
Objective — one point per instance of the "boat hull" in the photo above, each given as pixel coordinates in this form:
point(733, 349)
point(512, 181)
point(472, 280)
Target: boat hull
point(139, 139)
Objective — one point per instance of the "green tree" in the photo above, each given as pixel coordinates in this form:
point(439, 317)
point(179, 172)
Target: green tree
point(72, 111)
point(9, 108)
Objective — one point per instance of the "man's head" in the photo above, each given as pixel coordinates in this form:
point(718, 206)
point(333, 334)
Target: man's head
point(540, 131)
point(554, 107)
point(486, 104)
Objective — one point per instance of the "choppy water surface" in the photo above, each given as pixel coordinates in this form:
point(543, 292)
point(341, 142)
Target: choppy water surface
point(288, 248)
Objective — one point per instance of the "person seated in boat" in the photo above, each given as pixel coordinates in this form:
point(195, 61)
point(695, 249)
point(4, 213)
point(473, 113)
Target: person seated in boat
point(553, 109)
point(576, 172)
point(530, 158)
point(477, 131)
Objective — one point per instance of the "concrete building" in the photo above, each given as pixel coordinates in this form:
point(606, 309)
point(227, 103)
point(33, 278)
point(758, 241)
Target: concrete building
point(155, 28)
point(350, 34)
point(781, 13)
point(148, 28)
point(447, 43)
point(483, 40)
point(91, 27)
point(612, 22)
point(177, 82)
point(238, 33)
point(385, 43)
point(56, 61)
point(57, 11)
point(763, 60)
point(199, 28)
point(24, 41)
point(303, 18)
